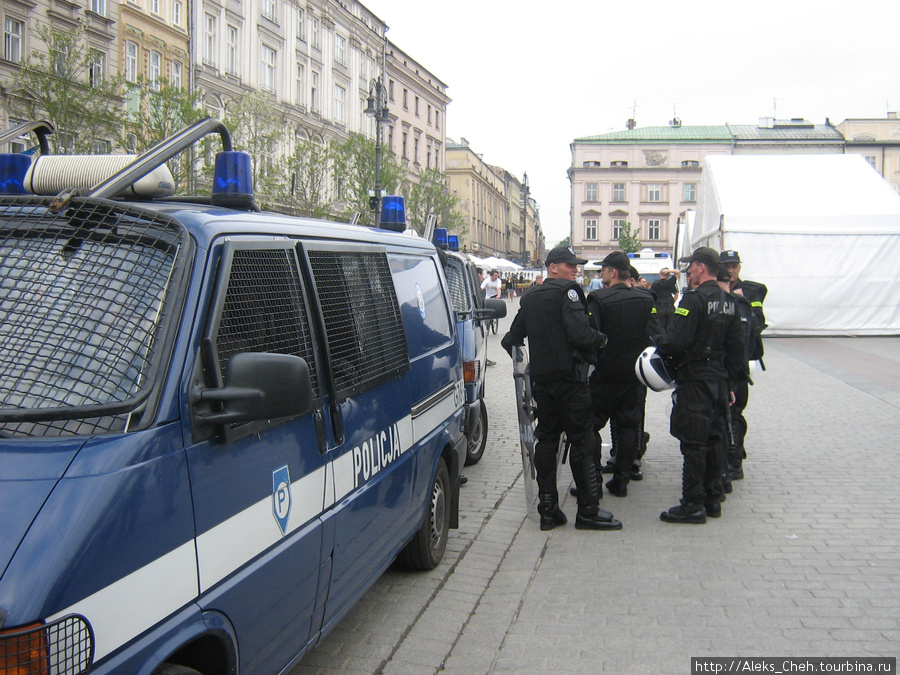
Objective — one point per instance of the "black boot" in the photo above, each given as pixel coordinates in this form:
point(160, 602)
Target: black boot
point(618, 486)
point(590, 516)
point(551, 514)
point(678, 514)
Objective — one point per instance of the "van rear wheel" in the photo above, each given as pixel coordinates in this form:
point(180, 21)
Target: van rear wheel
point(175, 669)
point(476, 444)
point(426, 549)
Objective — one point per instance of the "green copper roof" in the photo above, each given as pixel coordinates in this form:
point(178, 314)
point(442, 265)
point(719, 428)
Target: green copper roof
point(718, 134)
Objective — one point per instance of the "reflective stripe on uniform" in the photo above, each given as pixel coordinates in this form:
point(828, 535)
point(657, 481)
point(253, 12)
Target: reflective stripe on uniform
point(682, 311)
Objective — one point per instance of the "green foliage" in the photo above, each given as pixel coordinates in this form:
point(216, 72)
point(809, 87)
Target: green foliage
point(629, 241)
point(431, 195)
point(565, 242)
point(354, 176)
point(257, 127)
point(61, 86)
point(305, 186)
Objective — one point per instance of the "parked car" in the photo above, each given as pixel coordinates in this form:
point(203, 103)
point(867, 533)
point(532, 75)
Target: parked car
point(218, 427)
point(472, 314)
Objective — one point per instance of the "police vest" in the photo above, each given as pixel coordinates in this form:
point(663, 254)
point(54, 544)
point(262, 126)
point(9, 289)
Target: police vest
point(552, 355)
point(621, 313)
point(719, 310)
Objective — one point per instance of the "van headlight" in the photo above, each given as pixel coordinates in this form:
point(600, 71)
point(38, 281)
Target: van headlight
point(65, 646)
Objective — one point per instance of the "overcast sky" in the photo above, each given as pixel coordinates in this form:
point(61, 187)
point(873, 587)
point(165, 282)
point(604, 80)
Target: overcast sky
point(528, 78)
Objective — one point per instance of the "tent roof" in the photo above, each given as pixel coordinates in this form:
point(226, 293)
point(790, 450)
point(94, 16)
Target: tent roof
point(803, 186)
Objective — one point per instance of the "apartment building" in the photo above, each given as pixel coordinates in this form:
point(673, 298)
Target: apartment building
point(649, 177)
point(878, 140)
point(417, 100)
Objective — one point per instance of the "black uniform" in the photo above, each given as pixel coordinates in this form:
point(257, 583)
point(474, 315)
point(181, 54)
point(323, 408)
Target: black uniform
point(750, 307)
point(621, 313)
point(704, 340)
point(561, 343)
point(664, 291)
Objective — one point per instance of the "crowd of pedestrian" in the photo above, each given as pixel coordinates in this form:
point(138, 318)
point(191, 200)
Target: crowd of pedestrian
point(584, 339)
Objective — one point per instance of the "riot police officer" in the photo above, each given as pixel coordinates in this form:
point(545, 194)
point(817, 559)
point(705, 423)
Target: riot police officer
point(704, 342)
point(621, 312)
point(561, 343)
point(755, 293)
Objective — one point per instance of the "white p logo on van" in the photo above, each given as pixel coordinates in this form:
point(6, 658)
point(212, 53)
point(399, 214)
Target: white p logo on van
point(281, 497)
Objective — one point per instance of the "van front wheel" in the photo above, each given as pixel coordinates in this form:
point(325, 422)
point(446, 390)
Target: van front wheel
point(477, 439)
point(426, 549)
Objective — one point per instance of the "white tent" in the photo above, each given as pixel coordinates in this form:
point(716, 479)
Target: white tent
point(500, 264)
point(821, 231)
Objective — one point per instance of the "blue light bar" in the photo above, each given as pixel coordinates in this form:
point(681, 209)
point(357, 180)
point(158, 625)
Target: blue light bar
point(453, 242)
point(13, 167)
point(440, 237)
point(232, 177)
point(393, 213)
point(633, 255)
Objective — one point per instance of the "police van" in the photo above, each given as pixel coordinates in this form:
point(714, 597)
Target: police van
point(218, 426)
point(472, 313)
point(647, 262)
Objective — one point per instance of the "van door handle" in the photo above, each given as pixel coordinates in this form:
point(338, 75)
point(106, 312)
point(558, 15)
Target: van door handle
point(319, 419)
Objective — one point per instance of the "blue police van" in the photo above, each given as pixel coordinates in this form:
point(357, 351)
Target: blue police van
point(218, 427)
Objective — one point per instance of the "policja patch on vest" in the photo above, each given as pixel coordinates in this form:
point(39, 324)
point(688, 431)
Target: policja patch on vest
point(573, 295)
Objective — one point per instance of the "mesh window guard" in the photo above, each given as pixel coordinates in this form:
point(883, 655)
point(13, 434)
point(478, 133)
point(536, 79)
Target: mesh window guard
point(362, 319)
point(85, 296)
point(264, 310)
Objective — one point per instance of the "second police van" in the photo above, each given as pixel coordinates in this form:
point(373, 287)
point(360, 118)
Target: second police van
point(218, 427)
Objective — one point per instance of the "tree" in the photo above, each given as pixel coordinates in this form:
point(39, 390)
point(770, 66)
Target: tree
point(629, 241)
point(565, 242)
point(161, 110)
point(354, 176)
point(257, 127)
point(66, 85)
point(305, 186)
point(430, 195)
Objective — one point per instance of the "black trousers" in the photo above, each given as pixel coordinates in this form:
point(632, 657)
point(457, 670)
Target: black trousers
point(698, 421)
point(621, 404)
point(736, 452)
point(565, 406)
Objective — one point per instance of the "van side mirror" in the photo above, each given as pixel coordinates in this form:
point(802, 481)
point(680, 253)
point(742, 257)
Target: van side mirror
point(260, 386)
point(493, 309)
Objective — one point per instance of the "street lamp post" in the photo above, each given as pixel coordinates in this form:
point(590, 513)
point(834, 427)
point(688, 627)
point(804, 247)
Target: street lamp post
point(525, 220)
point(376, 106)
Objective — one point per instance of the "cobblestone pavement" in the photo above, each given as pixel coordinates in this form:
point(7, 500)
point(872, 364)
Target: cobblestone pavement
point(803, 562)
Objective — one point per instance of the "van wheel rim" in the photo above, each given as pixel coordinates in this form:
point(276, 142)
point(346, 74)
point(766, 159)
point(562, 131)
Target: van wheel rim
point(438, 505)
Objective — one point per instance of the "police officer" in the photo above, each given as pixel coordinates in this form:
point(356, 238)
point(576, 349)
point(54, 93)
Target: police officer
point(561, 343)
point(704, 342)
point(621, 312)
point(734, 453)
point(755, 293)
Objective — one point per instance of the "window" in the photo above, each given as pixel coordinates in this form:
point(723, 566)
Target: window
point(177, 12)
point(654, 192)
point(209, 39)
point(301, 25)
point(689, 163)
point(871, 159)
point(690, 192)
point(154, 6)
point(300, 83)
point(437, 119)
point(98, 7)
point(429, 114)
point(314, 92)
point(96, 68)
point(619, 164)
point(314, 32)
point(405, 138)
point(12, 40)
point(267, 76)
point(100, 147)
point(617, 225)
point(391, 90)
point(653, 228)
point(340, 50)
point(131, 61)
point(590, 192)
point(231, 50)
point(269, 10)
point(339, 95)
point(20, 144)
point(590, 229)
point(176, 74)
point(618, 194)
point(416, 151)
point(406, 99)
point(417, 106)
point(155, 65)
point(61, 59)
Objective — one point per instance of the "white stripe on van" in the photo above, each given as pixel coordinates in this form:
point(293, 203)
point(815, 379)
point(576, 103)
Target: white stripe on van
point(432, 418)
point(236, 541)
point(151, 594)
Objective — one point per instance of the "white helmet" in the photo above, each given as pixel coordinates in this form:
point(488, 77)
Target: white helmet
point(651, 371)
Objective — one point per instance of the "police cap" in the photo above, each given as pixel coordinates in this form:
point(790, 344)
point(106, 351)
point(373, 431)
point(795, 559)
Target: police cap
point(563, 254)
point(704, 255)
point(617, 260)
point(729, 257)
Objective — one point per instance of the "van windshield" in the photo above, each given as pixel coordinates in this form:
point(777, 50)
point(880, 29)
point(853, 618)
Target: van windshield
point(85, 298)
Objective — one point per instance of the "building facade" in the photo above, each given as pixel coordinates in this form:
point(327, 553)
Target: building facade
point(646, 179)
point(878, 140)
point(502, 219)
